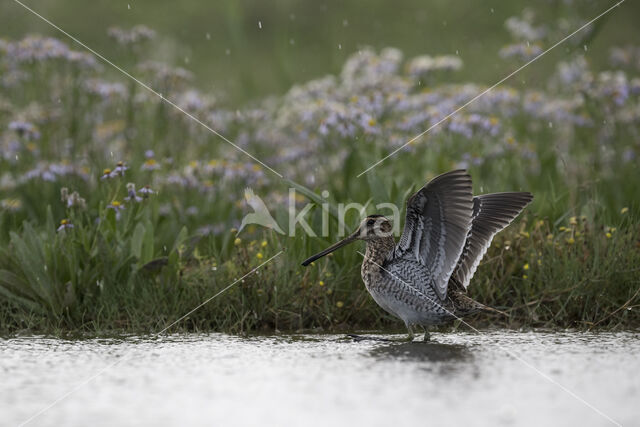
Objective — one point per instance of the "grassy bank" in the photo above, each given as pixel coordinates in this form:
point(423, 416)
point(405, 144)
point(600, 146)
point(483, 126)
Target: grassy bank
point(577, 277)
point(120, 213)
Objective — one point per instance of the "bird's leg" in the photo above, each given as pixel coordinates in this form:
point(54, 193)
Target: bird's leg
point(411, 335)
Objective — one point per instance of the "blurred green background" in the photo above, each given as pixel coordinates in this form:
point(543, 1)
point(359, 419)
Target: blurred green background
point(251, 48)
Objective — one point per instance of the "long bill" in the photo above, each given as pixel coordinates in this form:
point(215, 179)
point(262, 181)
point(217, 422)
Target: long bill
point(330, 249)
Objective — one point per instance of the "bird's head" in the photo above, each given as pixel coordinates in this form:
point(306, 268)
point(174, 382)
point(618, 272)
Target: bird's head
point(374, 227)
point(371, 228)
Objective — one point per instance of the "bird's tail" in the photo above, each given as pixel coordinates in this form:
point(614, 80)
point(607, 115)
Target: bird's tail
point(466, 305)
point(493, 310)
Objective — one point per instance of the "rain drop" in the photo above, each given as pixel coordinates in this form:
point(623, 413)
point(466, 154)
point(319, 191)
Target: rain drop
point(492, 11)
point(585, 47)
point(292, 42)
point(550, 124)
point(129, 6)
point(345, 23)
point(457, 52)
point(228, 51)
point(339, 46)
point(208, 36)
point(260, 24)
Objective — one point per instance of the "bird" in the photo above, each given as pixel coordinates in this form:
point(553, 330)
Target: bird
point(423, 278)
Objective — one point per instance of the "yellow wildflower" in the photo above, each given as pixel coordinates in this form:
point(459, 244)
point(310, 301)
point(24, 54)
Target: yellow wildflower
point(608, 235)
point(320, 283)
point(571, 240)
point(339, 304)
point(259, 255)
point(524, 276)
point(573, 220)
point(525, 234)
point(237, 241)
point(526, 266)
point(264, 243)
point(624, 210)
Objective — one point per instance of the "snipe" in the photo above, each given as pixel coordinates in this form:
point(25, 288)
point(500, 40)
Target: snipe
point(423, 278)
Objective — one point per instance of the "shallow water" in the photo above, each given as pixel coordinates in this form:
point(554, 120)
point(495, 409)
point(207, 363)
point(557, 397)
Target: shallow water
point(215, 379)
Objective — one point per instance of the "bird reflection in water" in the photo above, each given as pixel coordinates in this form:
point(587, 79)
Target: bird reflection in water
point(421, 351)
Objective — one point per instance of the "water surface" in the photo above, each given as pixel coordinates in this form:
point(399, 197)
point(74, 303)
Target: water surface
point(216, 379)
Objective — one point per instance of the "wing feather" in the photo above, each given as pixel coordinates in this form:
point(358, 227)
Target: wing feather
point(491, 214)
point(437, 222)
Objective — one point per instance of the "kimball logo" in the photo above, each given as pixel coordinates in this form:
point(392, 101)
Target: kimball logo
point(261, 215)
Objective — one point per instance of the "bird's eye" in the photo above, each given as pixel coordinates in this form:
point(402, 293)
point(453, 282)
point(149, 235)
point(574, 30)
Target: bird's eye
point(371, 222)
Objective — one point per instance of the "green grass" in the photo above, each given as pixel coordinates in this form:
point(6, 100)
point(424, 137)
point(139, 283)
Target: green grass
point(570, 261)
point(538, 278)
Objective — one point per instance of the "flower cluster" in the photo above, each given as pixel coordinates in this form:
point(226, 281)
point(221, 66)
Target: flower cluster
point(377, 103)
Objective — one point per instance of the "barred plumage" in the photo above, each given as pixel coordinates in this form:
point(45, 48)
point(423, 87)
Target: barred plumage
point(423, 279)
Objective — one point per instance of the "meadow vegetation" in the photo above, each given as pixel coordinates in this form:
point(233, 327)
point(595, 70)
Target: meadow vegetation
point(119, 212)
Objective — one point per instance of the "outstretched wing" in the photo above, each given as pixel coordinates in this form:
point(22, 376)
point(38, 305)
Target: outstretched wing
point(436, 225)
point(491, 213)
